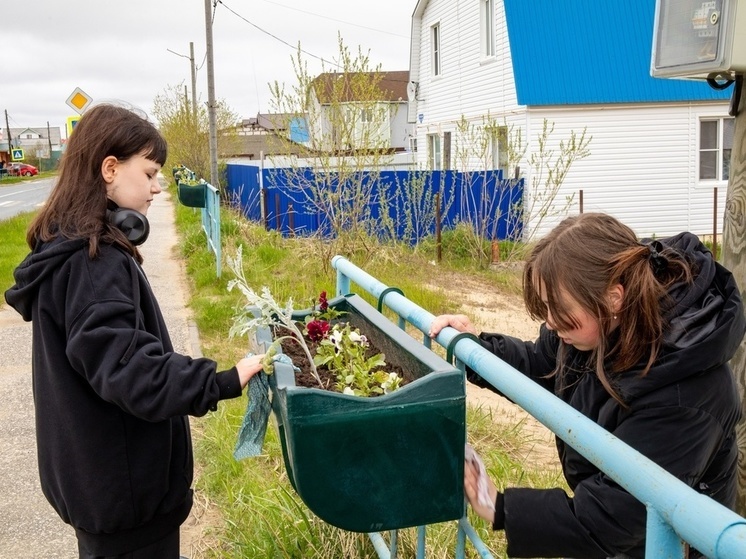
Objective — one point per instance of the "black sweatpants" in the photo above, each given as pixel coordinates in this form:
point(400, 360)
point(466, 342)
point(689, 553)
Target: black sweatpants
point(167, 548)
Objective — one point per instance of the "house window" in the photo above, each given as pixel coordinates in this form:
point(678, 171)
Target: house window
point(498, 149)
point(413, 143)
point(435, 36)
point(434, 161)
point(715, 144)
point(366, 115)
point(487, 17)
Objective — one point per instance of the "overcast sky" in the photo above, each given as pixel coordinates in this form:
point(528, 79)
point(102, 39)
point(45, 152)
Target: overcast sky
point(119, 50)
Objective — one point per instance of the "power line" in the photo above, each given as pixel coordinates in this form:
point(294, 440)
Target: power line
point(272, 35)
point(337, 20)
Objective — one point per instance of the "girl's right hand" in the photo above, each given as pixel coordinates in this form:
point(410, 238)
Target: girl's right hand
point(248, 367)
point(471, 490)
point(460, 322)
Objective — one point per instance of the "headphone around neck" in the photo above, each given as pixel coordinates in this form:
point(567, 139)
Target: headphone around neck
point(132, 223)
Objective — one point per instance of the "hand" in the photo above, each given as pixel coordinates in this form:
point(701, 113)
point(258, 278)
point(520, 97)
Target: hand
point(460, 322)
point(471, 475)
point(248, 367)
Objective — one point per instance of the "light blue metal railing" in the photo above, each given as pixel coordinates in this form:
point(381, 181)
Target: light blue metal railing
point(210, 214)
point(676, 513)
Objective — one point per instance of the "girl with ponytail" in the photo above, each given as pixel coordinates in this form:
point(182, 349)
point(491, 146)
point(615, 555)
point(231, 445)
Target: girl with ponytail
point(636, 335)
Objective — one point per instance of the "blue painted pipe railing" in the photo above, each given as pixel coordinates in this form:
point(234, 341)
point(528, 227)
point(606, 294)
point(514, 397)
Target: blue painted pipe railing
point(210, 214)
point(211, 225)
point(676, 512)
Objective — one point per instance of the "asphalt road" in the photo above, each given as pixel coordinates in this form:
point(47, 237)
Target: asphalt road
point(29, 527)
point(24, 196)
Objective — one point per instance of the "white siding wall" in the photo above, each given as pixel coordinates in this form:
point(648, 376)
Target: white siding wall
point(642, 166)
point(401, 130)
point(470, 85)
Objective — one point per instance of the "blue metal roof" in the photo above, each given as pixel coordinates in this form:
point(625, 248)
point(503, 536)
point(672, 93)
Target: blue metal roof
point(590, 51)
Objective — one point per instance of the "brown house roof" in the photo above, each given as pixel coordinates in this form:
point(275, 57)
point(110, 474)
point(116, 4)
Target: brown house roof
point(393, 86)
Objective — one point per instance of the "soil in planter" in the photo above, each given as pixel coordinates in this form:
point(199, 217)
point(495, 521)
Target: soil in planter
point(293, 349)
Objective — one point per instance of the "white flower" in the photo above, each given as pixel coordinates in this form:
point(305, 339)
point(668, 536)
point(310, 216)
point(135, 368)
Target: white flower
point(348, 391)
point(355, 337)
point(336, 338)
point(391, 383)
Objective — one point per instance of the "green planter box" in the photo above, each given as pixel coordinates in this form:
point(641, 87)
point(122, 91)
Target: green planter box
point(194, 196)
point(381, 463)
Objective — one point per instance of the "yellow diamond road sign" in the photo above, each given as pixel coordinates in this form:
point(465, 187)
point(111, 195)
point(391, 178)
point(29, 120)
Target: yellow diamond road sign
point(79, 100)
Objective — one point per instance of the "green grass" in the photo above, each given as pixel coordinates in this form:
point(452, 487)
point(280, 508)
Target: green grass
point(7, 180)
point(13, 249)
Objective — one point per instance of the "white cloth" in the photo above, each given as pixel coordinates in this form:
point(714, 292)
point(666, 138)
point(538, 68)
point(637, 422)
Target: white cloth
point(483, 494)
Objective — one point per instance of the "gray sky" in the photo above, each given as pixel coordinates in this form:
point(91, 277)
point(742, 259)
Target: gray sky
point(119, 50)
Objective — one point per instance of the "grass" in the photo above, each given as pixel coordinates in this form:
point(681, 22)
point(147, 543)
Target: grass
point(13, 249)
point(8, 180)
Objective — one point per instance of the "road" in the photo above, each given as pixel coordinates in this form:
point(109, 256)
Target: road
point(24, 196)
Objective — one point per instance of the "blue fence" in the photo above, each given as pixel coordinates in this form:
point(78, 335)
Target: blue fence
point(676, 513)
point(403, 201)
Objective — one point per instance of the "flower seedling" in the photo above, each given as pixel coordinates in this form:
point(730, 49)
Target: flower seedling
point(340, 348)
point(270, 312)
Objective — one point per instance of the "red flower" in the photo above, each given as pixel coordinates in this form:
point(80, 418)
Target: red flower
point(317, 330)
point(323, 303)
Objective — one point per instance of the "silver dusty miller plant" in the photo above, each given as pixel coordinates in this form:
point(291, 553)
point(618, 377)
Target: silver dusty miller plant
point(270, 314)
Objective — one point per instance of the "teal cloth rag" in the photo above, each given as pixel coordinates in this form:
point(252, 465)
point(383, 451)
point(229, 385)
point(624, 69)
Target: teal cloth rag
point(254, 426)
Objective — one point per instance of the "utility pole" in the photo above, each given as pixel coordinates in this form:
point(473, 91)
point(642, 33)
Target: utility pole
point(734, 258)
point(49, 138)
point(211, 99)
point(193, 69)
point(194, 81)
point(7, 128)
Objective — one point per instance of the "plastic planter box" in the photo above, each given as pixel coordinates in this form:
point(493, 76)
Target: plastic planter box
point(192, 195)
point(381, 463)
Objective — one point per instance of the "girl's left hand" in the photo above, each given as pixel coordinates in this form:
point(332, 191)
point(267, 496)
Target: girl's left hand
point(471, 477)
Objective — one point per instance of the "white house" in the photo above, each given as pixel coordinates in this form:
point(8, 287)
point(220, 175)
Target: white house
point(659, 147)
point(34, 141)
point(380, 123)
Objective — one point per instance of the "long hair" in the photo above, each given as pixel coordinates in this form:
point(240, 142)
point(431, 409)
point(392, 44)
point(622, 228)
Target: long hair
point(76, 208)
point(584, 257)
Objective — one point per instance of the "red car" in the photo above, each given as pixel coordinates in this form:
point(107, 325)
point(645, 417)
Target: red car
point(22, 170)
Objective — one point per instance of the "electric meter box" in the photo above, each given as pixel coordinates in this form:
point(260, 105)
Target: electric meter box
point(699, 39)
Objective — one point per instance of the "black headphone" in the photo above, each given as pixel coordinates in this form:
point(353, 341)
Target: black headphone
point(132, 223)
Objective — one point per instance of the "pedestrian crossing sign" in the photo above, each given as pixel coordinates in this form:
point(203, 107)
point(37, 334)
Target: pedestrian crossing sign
point(17, 154)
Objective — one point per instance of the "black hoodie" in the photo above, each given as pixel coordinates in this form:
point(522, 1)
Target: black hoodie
point(681, 415)
point(111, 396)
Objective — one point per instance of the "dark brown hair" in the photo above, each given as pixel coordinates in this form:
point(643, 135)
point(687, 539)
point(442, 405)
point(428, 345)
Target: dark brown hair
point(585, 256)
point(76, 208)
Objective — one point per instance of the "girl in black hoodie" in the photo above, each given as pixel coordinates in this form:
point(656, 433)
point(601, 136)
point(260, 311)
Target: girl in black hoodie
point(111, 395)
point(637, 337)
